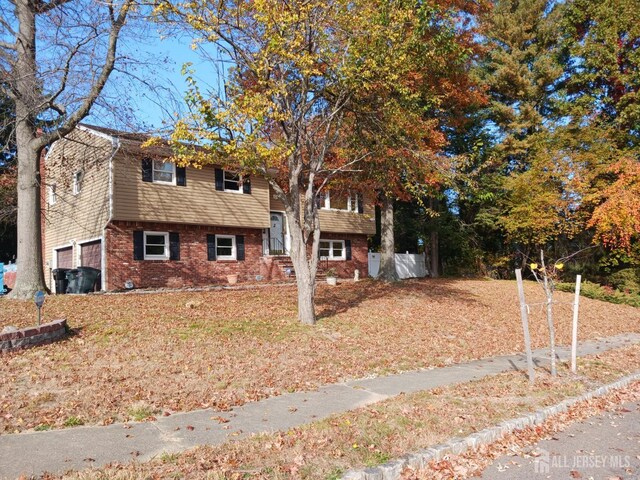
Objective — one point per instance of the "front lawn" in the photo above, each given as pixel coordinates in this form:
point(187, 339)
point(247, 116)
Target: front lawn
point(377, 433)
point(154, 353)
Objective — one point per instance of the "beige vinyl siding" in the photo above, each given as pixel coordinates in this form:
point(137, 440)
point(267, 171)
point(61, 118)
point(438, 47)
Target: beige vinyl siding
point(196, 203)
point(276, 203)
point(339, 221)
point(336, 221)
point(76, 218)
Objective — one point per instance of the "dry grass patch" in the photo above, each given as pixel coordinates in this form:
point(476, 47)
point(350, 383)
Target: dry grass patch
point(375, 434)
point(187, 350)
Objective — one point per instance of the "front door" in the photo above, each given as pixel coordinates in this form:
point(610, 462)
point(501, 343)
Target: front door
point(276, 234)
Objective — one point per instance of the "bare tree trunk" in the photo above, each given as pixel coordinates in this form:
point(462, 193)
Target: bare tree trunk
point(30, 274)
point(435, 254)
point(387, 258)
point(305, 267)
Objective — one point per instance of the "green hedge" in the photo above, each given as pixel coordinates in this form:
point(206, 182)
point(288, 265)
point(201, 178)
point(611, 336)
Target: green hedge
point(598, 292)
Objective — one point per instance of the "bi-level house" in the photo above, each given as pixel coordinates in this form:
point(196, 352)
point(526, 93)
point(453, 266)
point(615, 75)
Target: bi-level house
point(110, 204)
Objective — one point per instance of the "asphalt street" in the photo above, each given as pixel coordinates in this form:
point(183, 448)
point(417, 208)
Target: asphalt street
point(605, 447)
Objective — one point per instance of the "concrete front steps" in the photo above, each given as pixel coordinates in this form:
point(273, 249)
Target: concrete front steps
point(284, 266)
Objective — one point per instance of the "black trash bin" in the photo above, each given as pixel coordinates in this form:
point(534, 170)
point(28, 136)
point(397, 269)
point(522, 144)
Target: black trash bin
point(72, 281)
point(60, 277)
point(87, 278)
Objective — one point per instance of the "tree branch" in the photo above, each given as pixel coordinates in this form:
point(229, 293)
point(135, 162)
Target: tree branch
point(42, 7)
point(8, 46)
point(97, 87)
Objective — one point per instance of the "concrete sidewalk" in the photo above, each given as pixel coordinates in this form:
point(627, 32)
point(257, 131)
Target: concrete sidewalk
point(33, 453)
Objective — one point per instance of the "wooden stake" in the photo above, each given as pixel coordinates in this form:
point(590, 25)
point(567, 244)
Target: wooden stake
point(525, 326)
point(574, 337)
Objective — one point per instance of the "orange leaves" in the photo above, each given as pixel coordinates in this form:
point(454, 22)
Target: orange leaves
point(617, 219)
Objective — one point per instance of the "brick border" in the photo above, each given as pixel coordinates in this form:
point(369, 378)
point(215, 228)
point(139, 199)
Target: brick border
point(33, 336)
point(392, 470)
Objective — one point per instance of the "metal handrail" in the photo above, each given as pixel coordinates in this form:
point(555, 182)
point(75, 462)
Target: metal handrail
point(274, 246)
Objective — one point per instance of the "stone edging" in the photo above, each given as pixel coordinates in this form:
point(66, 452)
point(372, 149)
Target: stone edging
point(33, 336)
point(456, 446)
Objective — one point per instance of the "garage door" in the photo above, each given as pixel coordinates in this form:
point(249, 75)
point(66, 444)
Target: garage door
point(64, 257)
point(91, 254)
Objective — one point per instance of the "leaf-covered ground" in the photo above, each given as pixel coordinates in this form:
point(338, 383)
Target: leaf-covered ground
point(386, 430)
point(187, 350)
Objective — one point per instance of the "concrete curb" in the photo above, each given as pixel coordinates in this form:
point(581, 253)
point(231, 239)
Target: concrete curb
point(417, 460)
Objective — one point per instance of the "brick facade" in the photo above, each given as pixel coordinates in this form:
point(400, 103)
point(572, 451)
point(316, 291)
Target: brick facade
point(359, 256)
point(194, 268)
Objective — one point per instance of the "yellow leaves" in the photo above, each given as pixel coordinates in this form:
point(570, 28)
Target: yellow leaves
point(559, 266)
point(533, 266)
point(153, 142)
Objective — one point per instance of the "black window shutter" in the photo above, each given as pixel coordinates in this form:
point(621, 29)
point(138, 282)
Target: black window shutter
point(360, 200)
point(211, 247)
point(138, 245)
point(181, 176)
point(219, 179)
point(246, 185)
point(347, 249)
point(239, 247)
point(147, 170)
point(174, 246)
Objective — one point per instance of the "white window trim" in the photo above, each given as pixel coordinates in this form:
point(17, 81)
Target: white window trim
point(53, 197)
point(54, 262)
point(163, 182)
point(54, 258)
point(78, 177)
point(352, 203)
point(166, 246)
point(234, 251)
point(224, 181)
point(331, 257)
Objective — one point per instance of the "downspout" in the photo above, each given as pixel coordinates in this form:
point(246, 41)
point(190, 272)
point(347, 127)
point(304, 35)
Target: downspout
point(116, 145)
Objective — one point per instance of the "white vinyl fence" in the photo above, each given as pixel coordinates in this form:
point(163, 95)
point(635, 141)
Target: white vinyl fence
point(407, 265)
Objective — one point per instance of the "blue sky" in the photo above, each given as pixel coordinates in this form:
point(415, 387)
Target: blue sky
point(162, 96)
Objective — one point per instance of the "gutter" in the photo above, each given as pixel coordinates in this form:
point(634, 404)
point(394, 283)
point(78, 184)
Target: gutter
point(115, 143)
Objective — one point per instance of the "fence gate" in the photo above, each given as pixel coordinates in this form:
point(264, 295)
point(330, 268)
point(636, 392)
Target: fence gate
point(408, 265)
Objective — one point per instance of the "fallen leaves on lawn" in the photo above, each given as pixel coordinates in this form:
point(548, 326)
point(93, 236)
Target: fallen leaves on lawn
point(189, 350)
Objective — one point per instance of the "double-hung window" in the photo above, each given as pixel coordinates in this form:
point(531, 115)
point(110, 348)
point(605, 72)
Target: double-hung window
point(332, 249)
point(231, 182)
point(164, 172)
point(53, 197)
point(226, 247)
point(77, 181)
point(349, 202)
point(156, 245)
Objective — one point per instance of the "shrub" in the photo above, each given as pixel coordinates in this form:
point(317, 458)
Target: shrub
point(598, 292)
point(626, 280)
